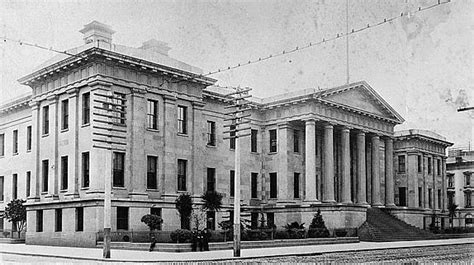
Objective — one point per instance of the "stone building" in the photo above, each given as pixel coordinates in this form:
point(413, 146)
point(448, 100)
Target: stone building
point(420, 175)
point(460, 171)
point(312, 149)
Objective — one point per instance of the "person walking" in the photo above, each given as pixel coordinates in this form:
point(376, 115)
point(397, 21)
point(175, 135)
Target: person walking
point(152, 244)
point(205, 239)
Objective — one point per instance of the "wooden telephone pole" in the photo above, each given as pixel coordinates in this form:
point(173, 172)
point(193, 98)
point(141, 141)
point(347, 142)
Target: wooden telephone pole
point(236, 130)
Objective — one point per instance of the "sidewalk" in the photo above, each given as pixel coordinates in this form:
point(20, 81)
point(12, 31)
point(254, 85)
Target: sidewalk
point(144, 256)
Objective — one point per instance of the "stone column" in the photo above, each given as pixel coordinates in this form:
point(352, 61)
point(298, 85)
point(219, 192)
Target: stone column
point(169, 177)
point(310, 160)
point(389, 192)
point(328, 174)
point(361, 193)
point(53, 132)
point(346, 166)
point(282, 156)
point(35, 141)
point(375, 171)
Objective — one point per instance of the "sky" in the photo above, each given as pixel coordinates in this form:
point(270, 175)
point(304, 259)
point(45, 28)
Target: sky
point(421, 64)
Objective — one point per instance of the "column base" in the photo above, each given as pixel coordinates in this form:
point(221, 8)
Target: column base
point(329, 201)
point(347, 202)
point(71, 195)
point(377, 204)
point(363, 203)
point(309, 203)
point(390, 205)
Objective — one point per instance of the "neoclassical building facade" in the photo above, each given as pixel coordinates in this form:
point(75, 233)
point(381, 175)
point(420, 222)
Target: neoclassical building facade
point(311, 149)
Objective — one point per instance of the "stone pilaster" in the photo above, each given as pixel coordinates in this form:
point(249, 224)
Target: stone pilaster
point(389, 187)
point(444, 195)
point(375, 171)
point(169, 178)
point(35, 141)
point(346, 166)
point(361, 188)
point(198, 143)
point(310, 160)
point(73, 163)
point(284, 175)
point(328, 173)
point(136, 124)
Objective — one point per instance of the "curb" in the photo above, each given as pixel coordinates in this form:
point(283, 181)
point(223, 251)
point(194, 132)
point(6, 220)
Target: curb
point(227, 258)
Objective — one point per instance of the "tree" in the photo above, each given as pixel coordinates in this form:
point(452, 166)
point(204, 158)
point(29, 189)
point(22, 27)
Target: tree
point(452, 213)
point(212, 201)
point(184, 205)
point(152, 221)
point(318, 228)
point(15, 212)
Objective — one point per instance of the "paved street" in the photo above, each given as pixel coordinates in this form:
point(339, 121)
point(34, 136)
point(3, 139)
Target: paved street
point(447, 250)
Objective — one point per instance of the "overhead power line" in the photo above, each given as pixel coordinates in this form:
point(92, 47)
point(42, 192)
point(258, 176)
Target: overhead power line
point(265, 58)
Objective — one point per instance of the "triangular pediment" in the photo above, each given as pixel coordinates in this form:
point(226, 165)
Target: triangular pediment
point(361, 97)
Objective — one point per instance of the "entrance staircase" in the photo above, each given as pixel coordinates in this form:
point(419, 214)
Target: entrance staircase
point(382, 227)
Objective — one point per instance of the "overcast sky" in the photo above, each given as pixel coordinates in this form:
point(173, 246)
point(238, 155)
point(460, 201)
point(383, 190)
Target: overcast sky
point(422, 64)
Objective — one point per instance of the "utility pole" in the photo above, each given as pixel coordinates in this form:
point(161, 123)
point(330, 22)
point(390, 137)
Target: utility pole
point(109, 110)
point(347, 41)
point(237, 117)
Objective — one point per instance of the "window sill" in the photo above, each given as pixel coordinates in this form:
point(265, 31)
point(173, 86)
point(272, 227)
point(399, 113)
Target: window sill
point(28, 151)
point(152, 130)
point(118, 188)
point(272, 153)
point(15, 154)
point(84, 188)
point(2, 156)
point(152, 190)
point(44, 193)
point(183, 134)
point(211, 146)
point(63, 190)
point(45, 135)
point(85, 125)
point(64, 130)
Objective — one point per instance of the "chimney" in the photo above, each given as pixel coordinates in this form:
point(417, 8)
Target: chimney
point(98, 33)
point(156, 46)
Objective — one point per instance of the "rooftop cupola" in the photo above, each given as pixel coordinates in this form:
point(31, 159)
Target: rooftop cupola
point(97, 32)
point(156, 46)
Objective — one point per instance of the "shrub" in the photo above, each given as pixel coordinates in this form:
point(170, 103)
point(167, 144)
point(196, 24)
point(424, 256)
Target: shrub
point(15, 212)
point(181, 236)
point(317, 228)
point(295, 230)
point(281, 235)
point(184, 205)
point(152, 221)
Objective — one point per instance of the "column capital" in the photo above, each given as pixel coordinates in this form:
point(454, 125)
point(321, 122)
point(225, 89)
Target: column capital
point(283, 125)
point(34, 104)
point(329, 125)
point(198, 104)
point(73, 92)
point(53, 98)
point(361, 132)
point(309, 120)
point(169, 98)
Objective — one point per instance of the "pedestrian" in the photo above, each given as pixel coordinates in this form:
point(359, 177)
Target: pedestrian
point(194, 240)
point(200, 240)
point(205, 239)
point(152, 244)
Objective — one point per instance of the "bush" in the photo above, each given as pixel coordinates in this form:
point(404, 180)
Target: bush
point(184, 205)
point(318, 228)
point(340, 232)
point(152, 221)
point(281, 235)
point(181, 236)
point(295, 230)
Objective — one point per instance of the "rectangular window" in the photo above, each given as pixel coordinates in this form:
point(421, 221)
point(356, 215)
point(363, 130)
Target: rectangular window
point(58, 220)
point(438, 167)
point(39, 220)
point(157, 212)
point(450, 181)
point(254, 220)
point(45, 172)
point(429, 165)
point(254, 183)
point(296, 185)
point(420, 164)
point(151, 181)
point(401, 164)
point(232, 140)
point(118, 108)
point(15, 142)
point(1, 188)
point(86, 108)
point(182, 166)
point(64, 114)
point(28, 138)
point(273, 141)
point(182, 120)
point(296, 141)
point(420, 197)
point(253, 141)
point(232, 183)
point(271, 219)
point(273, 185)
point(118, 169)
point(152, 114)
point(211, 220)
point(122, 218)
point(79, 218)
point(450, 198)
point(15, 186)
point(467, 199)
point(211, 133)
point(402, 196)
point(2, 144)
point(430, 198)
point(467, 179)
point(64, 172)
point(85, 169)
point(28, 183)
point(439, 199)
point(45, 120)
point(211, 179)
